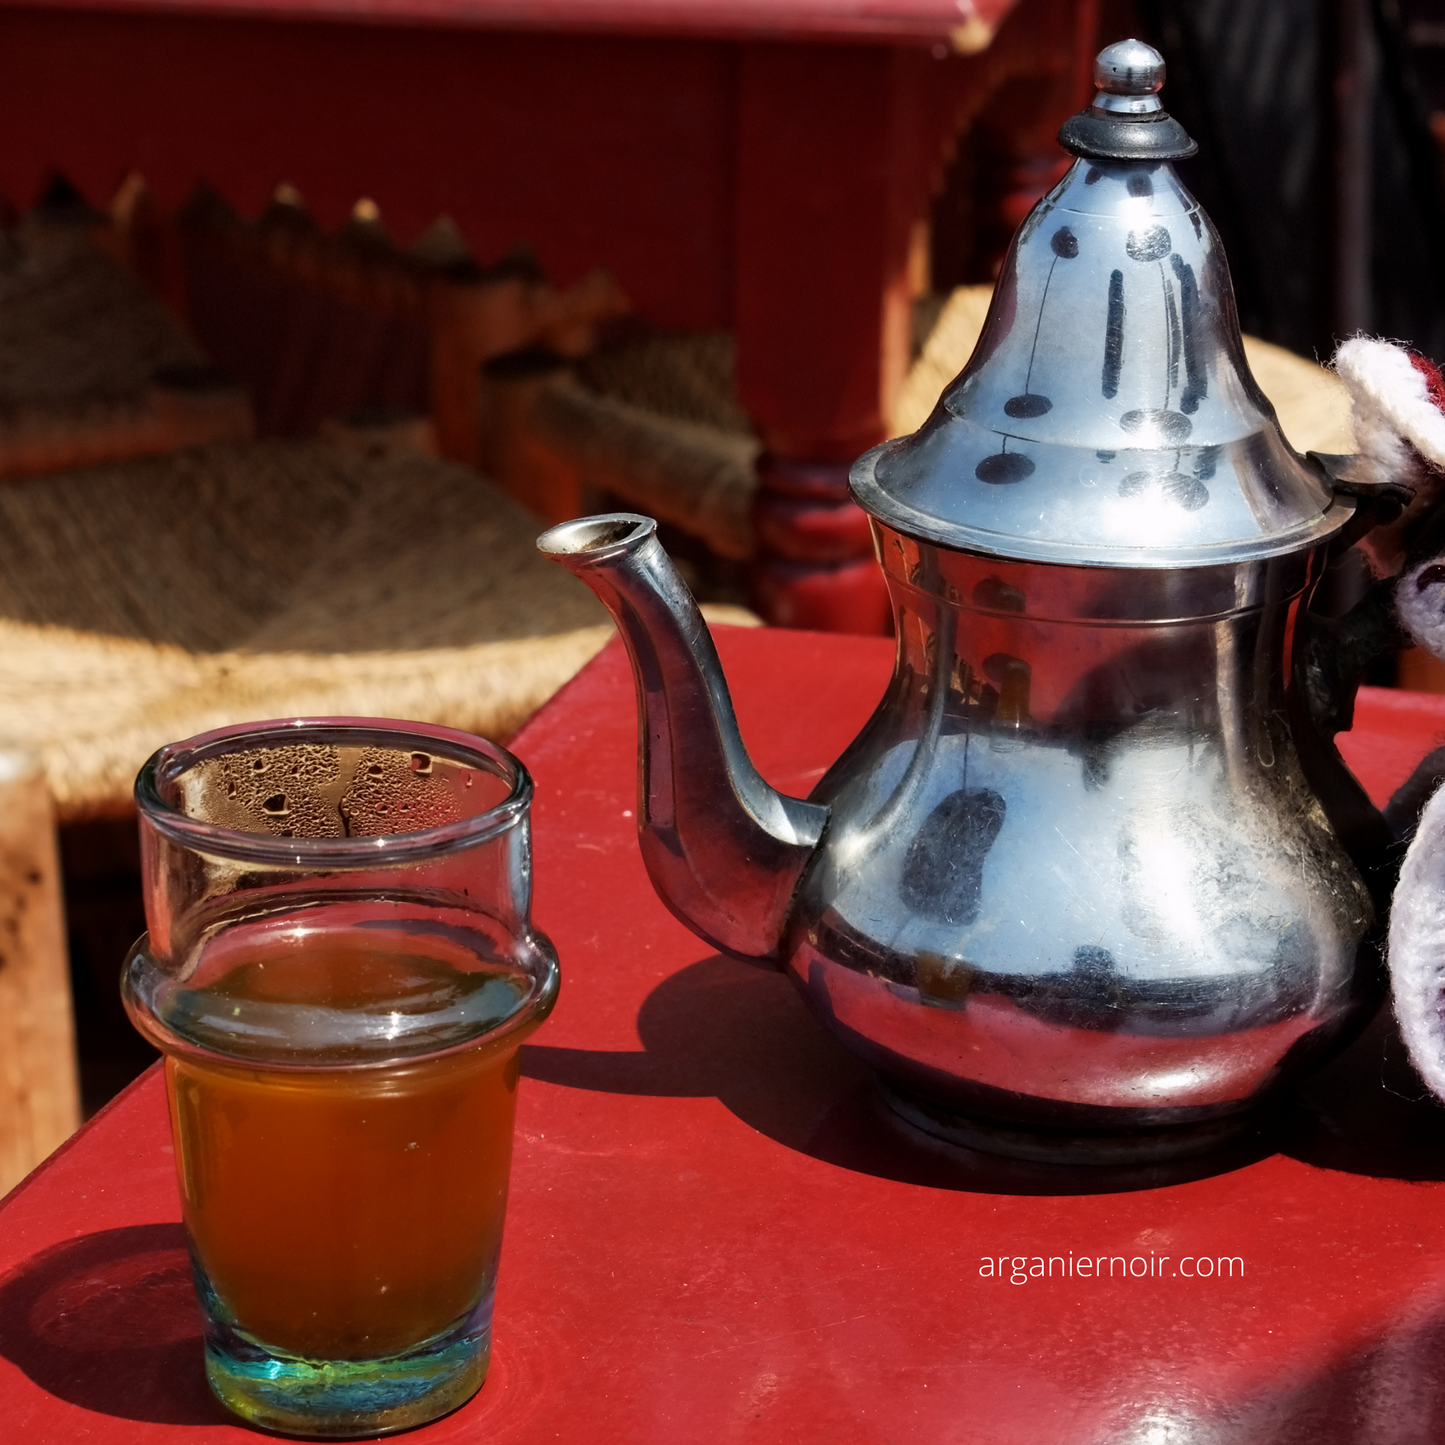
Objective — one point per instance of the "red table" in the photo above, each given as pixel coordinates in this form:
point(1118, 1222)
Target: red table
point(714, 1235)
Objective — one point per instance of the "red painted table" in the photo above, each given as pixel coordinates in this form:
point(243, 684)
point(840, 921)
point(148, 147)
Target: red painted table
point(714, 1235)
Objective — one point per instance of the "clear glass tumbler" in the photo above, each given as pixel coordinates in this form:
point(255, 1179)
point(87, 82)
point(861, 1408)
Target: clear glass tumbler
point(339, 968)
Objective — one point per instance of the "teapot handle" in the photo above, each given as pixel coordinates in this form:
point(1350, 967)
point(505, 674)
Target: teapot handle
point(1379, 504)
point(1328, 664)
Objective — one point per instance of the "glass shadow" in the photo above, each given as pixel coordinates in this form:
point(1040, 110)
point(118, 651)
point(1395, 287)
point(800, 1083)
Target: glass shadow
point(110, 1322)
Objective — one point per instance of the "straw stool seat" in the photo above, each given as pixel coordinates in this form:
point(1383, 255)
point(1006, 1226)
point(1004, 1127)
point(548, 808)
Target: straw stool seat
point(153, 599)
point(92, 367)
point(654, 422)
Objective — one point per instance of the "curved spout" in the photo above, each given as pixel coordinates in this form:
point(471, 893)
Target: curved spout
point(724, 849)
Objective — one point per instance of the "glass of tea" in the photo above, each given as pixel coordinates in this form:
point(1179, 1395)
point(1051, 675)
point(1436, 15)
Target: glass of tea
point(339, 968)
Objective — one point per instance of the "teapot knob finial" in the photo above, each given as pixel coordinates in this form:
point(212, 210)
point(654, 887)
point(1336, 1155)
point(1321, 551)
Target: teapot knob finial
point(1129, 75)
point(1126, 122)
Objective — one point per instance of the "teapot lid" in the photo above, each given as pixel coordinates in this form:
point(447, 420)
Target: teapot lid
point(1107, 416)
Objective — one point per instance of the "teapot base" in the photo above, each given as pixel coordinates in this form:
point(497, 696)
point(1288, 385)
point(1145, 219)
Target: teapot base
point(1139, 1145)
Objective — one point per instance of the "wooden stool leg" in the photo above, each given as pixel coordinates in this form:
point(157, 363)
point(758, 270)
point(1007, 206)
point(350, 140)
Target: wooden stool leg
point(814, 565)
point(472, 320)
point(39, 1089)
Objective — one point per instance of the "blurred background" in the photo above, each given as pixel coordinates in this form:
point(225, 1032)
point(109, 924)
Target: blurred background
point(312, 314)
point(1320, 126)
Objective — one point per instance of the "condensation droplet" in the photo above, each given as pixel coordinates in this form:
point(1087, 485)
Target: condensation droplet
point(421, 762)
point(275, 805)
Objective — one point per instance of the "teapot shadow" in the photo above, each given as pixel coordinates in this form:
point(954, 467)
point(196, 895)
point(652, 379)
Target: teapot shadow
point(1367, 1112)
point(741, 1034)
point(109, 1322)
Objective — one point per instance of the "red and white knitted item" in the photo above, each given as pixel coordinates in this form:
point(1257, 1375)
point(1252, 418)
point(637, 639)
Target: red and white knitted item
point(1417, 946)
point(1399, 423)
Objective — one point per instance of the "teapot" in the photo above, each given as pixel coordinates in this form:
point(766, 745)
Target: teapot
point(1080, 890)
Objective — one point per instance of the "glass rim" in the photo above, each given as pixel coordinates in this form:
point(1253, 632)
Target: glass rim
point(366, 852)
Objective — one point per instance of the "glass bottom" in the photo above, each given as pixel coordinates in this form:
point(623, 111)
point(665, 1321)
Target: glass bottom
point(348, 1398)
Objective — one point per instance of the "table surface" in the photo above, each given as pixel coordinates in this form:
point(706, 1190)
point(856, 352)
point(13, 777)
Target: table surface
point(715, 1235)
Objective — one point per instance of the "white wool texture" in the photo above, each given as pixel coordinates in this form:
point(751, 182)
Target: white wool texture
point(1399, 437)
point(1422, 609)
point(1392, 400)
point(1417, 946)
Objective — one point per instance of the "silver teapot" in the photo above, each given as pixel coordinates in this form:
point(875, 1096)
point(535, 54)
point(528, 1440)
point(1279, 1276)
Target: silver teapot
point(1075, 891)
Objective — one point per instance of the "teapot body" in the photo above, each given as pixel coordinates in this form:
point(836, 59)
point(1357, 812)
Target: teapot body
point(1074, 881)
point(1070, 891)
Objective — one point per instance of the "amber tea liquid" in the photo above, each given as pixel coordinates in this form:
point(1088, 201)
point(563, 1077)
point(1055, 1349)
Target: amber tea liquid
point(341, 1209)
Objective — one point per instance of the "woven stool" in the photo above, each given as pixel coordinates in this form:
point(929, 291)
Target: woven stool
point(92, 367)
point(159, 597)
point(654, 421)
point(156, 598)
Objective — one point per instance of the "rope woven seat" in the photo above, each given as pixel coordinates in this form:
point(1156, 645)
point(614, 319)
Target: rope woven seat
point(156, 598)
point(657, 422)
point(92, 367)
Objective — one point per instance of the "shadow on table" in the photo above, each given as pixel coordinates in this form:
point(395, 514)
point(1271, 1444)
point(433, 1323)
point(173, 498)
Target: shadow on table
point(110, 1322)
point(725, 1029)
point(1368, 1112)
point(1385, 1386)
point(743, 1035)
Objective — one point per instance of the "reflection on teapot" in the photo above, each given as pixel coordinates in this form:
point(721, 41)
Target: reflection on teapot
point(1070, 892)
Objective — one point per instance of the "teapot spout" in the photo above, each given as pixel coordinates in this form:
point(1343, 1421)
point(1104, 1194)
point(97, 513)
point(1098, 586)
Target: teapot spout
point(725, 851)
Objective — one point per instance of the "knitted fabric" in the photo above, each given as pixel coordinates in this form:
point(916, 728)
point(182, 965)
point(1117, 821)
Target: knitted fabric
point(1399, 421)
point(1399, 436)
point(1417, 946)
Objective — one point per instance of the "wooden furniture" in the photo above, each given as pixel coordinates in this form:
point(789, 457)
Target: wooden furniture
point(321, 324)
point(92, 367)
point(714, 1234)
point(157, 598)
point(39, 1090)
point(151, 600)
point(759, 166)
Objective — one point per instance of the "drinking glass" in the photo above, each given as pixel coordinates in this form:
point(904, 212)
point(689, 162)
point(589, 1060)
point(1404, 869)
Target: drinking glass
point(339, 968)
